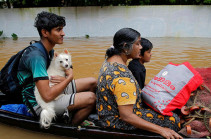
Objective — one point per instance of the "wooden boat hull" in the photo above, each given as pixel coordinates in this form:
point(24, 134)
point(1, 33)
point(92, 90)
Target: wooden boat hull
point(71, 131)
point(63, 129)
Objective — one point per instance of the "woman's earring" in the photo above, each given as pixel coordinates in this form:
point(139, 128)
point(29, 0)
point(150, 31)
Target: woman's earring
point(127, 53)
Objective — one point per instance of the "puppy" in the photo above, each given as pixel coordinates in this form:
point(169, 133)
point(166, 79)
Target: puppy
point(59, 64)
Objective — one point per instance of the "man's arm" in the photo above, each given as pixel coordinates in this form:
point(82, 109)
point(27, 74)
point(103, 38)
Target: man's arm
point(50, 93)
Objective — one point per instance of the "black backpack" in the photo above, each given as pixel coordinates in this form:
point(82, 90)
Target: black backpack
point(8, 79)
point(9, 83)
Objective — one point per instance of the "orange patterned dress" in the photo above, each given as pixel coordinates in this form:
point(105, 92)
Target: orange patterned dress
point(117, 86)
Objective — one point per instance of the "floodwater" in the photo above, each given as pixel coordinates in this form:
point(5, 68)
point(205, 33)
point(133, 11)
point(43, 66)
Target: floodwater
point(89, 54)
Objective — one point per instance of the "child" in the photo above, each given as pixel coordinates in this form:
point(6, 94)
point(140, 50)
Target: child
point(136, 66)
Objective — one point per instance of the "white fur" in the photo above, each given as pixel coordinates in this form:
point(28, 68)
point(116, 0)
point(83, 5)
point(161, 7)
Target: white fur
point(58, 65)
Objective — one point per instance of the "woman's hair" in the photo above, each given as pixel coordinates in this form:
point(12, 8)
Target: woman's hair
point(48, 21)
point(146, 45)
point(123, 40)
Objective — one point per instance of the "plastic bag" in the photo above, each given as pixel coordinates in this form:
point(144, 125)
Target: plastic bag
point(16, 108)
point(170, 89)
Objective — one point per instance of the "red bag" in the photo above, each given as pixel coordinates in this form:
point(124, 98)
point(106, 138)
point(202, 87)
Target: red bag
point(171, 87)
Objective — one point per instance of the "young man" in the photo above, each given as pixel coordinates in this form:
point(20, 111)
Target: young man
point(136, 66)
point(33, 65)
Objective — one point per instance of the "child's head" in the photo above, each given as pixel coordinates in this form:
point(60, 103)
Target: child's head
point(146, 50)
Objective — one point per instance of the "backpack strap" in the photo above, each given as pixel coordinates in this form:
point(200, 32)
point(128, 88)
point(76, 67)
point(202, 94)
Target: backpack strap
point(41, 47)
point(31, 109)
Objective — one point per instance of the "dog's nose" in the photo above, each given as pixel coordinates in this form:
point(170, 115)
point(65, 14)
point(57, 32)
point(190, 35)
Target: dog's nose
point(66, 66)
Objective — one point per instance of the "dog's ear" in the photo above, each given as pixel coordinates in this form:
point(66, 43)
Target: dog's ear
point(65, 51)
point(55, 54)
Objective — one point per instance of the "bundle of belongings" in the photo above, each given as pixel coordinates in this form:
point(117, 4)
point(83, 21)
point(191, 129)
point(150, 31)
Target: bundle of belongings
point(179, 88)
point(196, 114)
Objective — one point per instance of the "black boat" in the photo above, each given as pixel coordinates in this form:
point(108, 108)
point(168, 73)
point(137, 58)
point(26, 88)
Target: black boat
point(82, 132)
point(63, 129)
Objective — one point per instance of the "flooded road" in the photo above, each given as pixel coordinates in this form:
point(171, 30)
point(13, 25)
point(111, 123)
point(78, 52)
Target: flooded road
point(89, 54)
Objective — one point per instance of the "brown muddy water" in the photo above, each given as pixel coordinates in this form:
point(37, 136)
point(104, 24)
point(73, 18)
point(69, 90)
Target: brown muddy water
point(89, 54)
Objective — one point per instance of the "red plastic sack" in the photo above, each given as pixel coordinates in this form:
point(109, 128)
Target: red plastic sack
point(206, 76)
point(171, 87)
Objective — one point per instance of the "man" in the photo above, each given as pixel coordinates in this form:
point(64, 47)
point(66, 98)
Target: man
point(34, 65)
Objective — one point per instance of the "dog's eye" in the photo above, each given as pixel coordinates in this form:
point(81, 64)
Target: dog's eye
point(66, 59)
point(60, 61)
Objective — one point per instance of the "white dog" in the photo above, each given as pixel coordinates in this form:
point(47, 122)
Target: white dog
point(58, 65)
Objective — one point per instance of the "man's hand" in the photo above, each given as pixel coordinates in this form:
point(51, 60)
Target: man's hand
point(56, 79)
point(69, 73)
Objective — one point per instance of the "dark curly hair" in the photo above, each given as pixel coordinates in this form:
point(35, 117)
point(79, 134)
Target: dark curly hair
point(48, 21)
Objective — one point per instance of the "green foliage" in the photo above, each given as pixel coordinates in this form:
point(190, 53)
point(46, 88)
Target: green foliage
point(172, 1)
point(14, 36)
point(65, 3)
point(144, 2)
point(1, 32)
point(87, 36)
point(207, 1)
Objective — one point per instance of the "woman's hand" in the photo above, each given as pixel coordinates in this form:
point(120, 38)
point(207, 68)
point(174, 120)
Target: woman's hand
point(56, 79)
point(169, 134)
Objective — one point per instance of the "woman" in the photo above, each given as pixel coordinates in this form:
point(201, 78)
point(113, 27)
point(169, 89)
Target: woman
point(119, 101)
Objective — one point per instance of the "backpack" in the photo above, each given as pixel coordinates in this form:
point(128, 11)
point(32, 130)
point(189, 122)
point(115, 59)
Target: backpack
point(9, 83)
